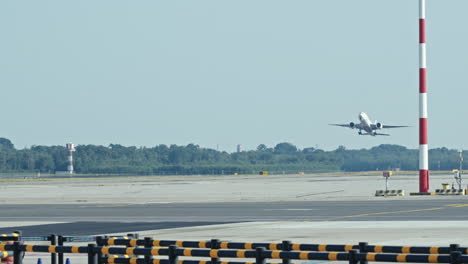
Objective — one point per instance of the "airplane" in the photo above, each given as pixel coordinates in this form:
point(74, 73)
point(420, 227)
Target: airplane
point(367, 125)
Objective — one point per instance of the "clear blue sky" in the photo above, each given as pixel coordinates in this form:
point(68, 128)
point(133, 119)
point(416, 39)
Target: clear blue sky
point(228, 72)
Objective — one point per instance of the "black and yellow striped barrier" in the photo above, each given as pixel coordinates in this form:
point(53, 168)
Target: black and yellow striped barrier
point(148, 243)
point(114, 260)
point(413, 258)
point(45, 248)
point(416, 250)
point(258, 253)
point(297, 255)
point(190, 244)
point(10, 237)
point(450, 192)
point(164, 261)
point(379, 249)
point(324, 256)
point(282, 246)
point(390, 193)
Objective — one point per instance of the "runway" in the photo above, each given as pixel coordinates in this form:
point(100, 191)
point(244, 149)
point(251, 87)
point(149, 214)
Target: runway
point(90, 219)
point(207, 189)
point(308, 208)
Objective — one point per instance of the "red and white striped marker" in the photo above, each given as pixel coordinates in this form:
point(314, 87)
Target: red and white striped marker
point(423, 142)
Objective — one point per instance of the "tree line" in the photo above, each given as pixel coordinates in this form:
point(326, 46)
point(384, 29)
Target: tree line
point(193, 159)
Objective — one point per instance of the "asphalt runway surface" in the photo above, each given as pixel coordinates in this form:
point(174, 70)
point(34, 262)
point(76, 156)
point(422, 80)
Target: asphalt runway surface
point(76, 219)
point(95, 228)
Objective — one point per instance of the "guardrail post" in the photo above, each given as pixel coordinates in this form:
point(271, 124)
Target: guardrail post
point(20, 234)
point(363, 249)
point(60, 239)
point(286, 246)
point(148, 245)
point(99, 243)
point(352, 256)
point(53, 242)
point(173, 259)
point(259, 259)
point(455, 257)
point(17, 253)
point(92, 259)
point(454, 247)
point(215, 243)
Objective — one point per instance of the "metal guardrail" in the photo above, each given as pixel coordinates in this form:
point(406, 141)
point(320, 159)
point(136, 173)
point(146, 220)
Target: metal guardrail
point(259, 254)
point(165, 261)
point(56, 258)
point(214, 243)
point(285, 245)
point(216, 249)
point(10, 237)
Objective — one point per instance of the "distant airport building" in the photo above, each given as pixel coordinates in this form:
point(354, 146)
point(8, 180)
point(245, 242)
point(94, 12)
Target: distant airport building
point(239, 148)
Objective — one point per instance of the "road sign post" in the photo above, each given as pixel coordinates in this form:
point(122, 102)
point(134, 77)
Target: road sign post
point(386, 175)
point(460, 159)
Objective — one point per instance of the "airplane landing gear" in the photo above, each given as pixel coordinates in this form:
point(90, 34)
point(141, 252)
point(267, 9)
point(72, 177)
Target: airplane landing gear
point(360, 133)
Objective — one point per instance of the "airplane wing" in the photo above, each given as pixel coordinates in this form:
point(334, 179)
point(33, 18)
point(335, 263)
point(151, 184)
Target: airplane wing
point(341, 125)
point(387, 126)
point(349, 125)
point(374, 134)
point(381, 134)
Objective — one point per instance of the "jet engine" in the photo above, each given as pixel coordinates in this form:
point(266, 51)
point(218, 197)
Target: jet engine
point(379, 125)
point(352, 125)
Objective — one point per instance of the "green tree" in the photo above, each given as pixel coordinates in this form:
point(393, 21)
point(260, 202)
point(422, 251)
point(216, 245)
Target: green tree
point(5, 144)
point(285, 148)
point(262, 148)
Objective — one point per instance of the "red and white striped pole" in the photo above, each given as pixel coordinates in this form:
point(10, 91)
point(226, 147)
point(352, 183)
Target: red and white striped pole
point(423, 142)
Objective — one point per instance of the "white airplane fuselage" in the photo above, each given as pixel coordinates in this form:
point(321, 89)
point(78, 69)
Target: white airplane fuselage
point(366, 124)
